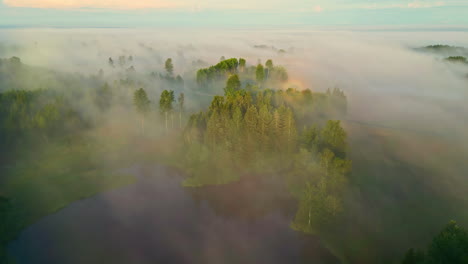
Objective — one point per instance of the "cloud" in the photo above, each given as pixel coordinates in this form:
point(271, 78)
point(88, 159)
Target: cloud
point(318, 9)
point(419, 4)
point(114, 4)
point(414, 4)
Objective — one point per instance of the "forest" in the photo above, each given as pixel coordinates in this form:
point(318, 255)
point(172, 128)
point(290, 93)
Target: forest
point(251, 130)
point(69, 136)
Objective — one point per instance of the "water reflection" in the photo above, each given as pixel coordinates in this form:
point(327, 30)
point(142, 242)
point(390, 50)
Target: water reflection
point(158, 221)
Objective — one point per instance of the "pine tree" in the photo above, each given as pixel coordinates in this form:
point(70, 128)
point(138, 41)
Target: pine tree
point(181, 101)
point(169, 67)
point(242, 64)
point(291, 130)
point(260, 73)
point(233, 84)
point(264, 122)
point(142, 104)
point(165, 104)
point(250, 131)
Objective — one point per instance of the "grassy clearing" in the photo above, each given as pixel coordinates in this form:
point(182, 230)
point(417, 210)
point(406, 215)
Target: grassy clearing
point(44, 180)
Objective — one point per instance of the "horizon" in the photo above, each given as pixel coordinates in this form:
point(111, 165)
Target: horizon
point(219, 14)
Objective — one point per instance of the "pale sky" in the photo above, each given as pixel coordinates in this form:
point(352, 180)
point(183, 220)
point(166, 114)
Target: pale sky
point(149, 13)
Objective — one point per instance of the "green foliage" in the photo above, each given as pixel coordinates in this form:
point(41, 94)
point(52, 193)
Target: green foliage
point(165, 101)
point(244, 129)
point(169, 67)
point(260, 73)
point(438, 46)
point(45, 180)
point(333, 137)
point(278, 73)
point(181, 101)
point(457, 59)
point(165, 105)
point(250, 133)
point(141, 101)
point(242, 63)
point(34, 116)
point(269, 64)
point(318, 180)
point(220, 70)
point(414, 257)
point(449, 246)
point(232, 86)
point(310, 139)
point(103, 97)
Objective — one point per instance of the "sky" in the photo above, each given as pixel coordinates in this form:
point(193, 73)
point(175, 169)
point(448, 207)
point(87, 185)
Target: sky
point(221, 13)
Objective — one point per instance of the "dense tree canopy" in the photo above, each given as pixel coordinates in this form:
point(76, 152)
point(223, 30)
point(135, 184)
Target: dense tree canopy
point(449, 246)
point(141, 101)
point(169, 67)
point(207, 75)
point(248, 132)
point(260, 73)
point(233, 85)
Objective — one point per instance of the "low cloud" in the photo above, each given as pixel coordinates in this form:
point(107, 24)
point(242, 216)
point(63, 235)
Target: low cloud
point(415, 4)
point(419, 4)
point(318, 9)
point(114, 4)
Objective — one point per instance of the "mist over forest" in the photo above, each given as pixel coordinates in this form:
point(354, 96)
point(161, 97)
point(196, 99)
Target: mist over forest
point(299, 146)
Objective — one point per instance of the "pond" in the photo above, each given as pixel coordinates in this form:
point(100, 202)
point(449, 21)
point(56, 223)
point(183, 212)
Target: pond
point(156, 220)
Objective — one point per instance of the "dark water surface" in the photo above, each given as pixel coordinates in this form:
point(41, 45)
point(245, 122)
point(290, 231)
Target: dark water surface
point(158, 221)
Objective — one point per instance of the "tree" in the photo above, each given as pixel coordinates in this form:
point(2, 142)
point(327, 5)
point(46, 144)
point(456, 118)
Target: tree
point(242, 64)
point(142, 104)
point(181, 101)
point(333, 136)
point(103, 97)
point(269, 66)
point(169, 67)
point(122, 61)
point(260, 73)
point(233, 84)
point(264, 121)
point(279, 73)
point(310, 138)
point(449, 246)
point(165, 104)
point(179, 81)
point(251, 140)
point(291, 130)
point(111, 62)
point(414, 257)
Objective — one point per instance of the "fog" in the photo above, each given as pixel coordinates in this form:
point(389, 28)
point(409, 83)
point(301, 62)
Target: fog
point(406, 108)
point(385, 80)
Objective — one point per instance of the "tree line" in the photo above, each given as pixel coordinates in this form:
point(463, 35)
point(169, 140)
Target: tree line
point(243, 133)
point(35, 115)
point(258, 73)
point(449, 246)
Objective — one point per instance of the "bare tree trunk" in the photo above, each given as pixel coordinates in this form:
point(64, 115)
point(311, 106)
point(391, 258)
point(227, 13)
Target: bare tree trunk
point(180, 119)
point(166, 119)
point(172, 120)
